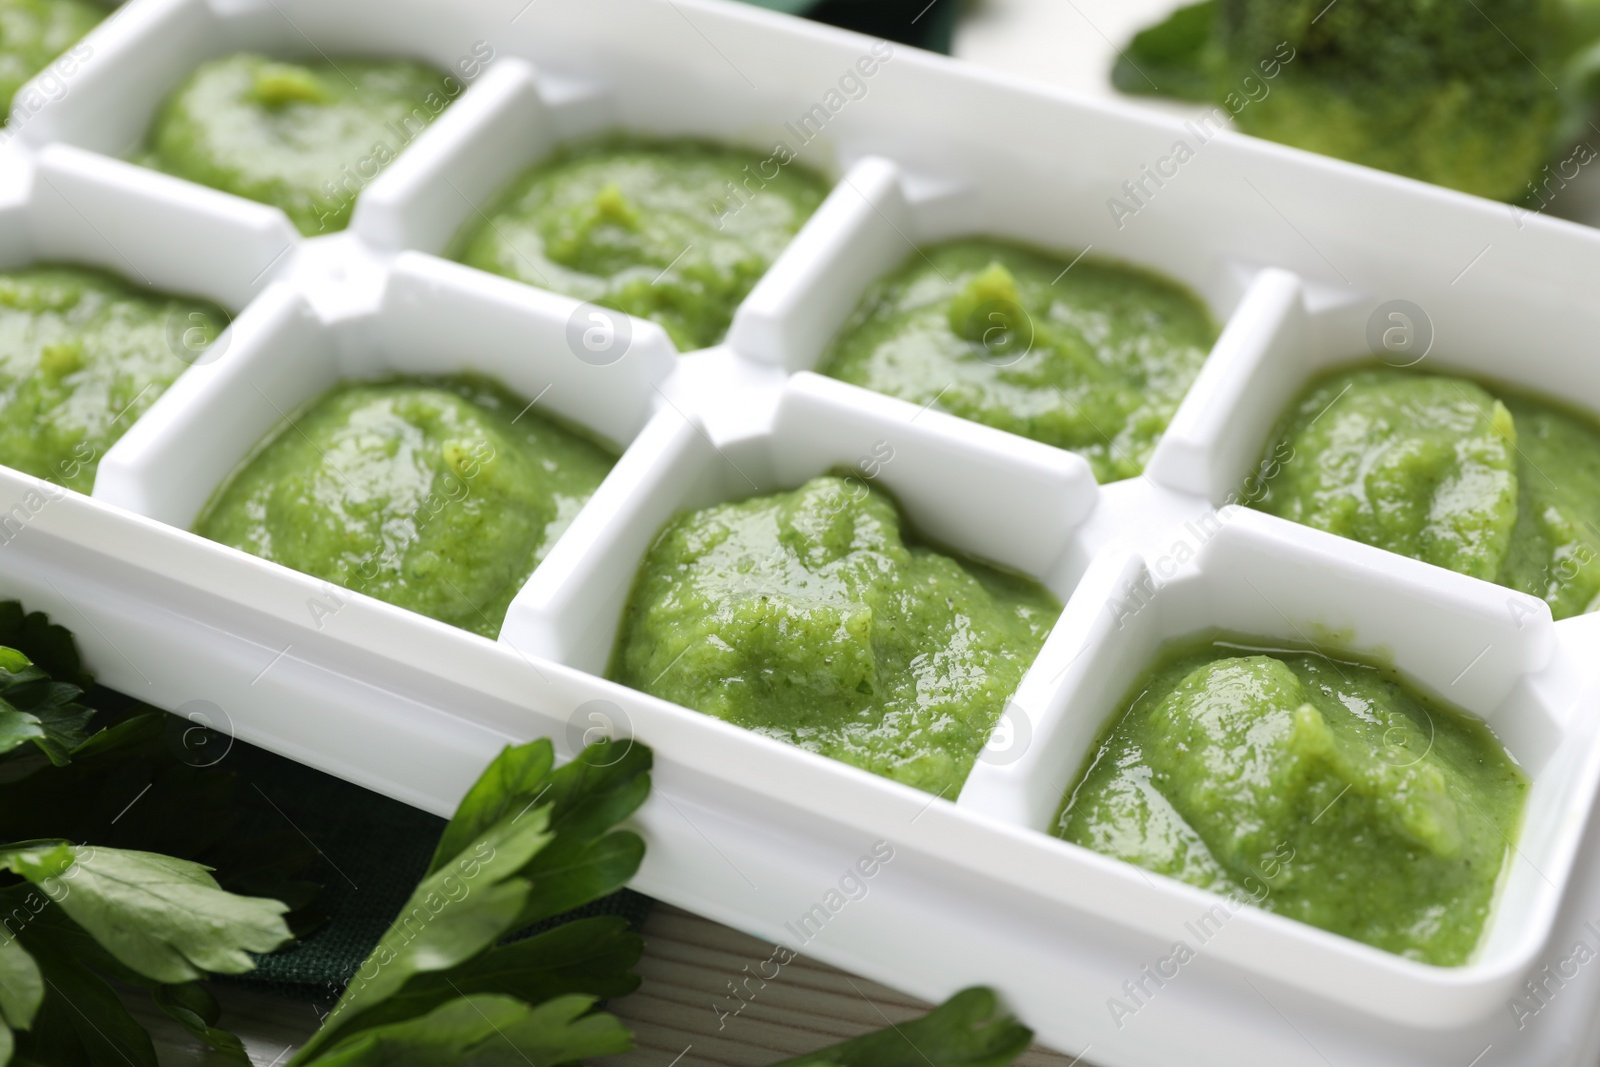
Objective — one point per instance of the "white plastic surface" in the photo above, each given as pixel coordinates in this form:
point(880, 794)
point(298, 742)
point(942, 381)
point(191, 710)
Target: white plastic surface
point(1294, 255)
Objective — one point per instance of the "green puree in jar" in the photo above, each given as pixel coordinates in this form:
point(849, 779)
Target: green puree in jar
point(806, 616)
point(1094, 358)
point(34, 32)
point(83, 355)
point(1496, 484)
point(1324, 790)
point(438, 495)
point(305, 136)
point(676, 231)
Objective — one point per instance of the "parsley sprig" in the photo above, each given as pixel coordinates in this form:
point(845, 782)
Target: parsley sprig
point(77, 916)
point(529, 842)
point(448, 984)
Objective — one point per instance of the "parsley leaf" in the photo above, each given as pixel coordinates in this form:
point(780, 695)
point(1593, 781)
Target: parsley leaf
point(527, 842)
point(126, 786)
point(516, 778)
point(81, 1022)
point(1178, 57)
point(34, 708)
point(45, 643)
point(21, 987)
point(590, 956)
point(442, 926)
point(196, 1010)
point(444, 987)
point(164, 918)
point(78, 913)
point(488, 1031)
point(964, 1031)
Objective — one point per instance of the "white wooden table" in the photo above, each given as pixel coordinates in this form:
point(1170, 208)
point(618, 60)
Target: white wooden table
point(688, 962)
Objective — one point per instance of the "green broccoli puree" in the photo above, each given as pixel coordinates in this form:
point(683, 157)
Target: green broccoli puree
point(34, 32)
point(1324, 790)
point(306, 136)
point(678, 231)
point(1452, 94)
point(438, 495)
point(82, 355)
point(806, 616)
point(1094, 358)
point(1489, 482)
point(1464, 95)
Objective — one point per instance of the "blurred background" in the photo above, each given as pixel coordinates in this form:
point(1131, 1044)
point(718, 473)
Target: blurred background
point(1496, 97)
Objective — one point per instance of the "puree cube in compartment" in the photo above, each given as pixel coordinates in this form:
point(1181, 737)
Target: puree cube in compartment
point(305, 135)
point(1405, 766)
point(1442, 447)
point(677, 231)
point(429, 452)
point(817, 617)
point(279, 105)
point(1314, 785)
point(93, 329)
point(1081, 354)
point(438, 494)
point(1472, 475)
point(83, 355)
point(922, 290)
point(766, 578)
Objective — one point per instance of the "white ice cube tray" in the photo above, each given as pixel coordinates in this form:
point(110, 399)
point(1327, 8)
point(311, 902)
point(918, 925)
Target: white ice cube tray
point(1294, 253)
